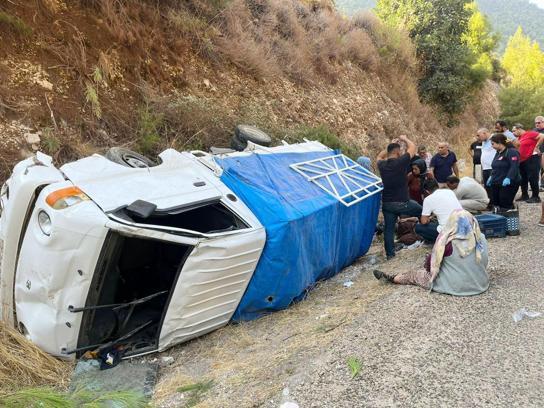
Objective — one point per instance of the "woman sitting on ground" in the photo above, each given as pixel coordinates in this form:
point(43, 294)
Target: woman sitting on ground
point(415, 180)
point(457, 265)
point(505, 176)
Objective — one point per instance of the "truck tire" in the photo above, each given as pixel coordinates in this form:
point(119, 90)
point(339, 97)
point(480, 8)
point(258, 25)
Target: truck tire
point(237, 144)
point(128, 158)
point(245, 133)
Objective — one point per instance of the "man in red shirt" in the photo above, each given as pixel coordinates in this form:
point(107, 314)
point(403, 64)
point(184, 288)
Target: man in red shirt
point(529, 166)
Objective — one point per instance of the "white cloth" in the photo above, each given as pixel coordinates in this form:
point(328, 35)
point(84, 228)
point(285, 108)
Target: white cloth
point(488, 154)
point(470, 189)
point(441, 203)
point(427, 159)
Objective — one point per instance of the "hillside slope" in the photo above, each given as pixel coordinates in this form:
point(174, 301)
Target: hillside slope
point(76, 79)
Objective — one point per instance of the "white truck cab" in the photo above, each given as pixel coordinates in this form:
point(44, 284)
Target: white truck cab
point(96, 253)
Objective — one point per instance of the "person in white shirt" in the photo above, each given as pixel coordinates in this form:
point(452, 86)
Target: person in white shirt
point(441, 203)
point(488, 154)
point(471, 195)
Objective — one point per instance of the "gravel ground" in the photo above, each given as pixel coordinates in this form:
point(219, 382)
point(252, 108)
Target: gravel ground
point(421, 349)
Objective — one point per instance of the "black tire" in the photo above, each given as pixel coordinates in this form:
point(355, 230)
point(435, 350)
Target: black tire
point(128, 158)
point(246, 133)
point(237, 144)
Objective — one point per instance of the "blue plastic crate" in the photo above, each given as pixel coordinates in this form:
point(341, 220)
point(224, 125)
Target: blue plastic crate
point(492, 225)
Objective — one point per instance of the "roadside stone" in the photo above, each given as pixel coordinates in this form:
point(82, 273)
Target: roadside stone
point(32, 138)
point(44, 83)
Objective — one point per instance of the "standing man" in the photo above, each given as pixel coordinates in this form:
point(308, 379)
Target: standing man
point(488, 154)
point(529, 162)
point(443, 164)
point(393, 168)
point(501, 127)
point(440, 202)
point(539, 127)
point(475, 151)
point(423, 155)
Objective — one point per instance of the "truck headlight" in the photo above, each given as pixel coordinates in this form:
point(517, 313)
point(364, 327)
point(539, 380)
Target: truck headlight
point(44, 221)
point(65, 197)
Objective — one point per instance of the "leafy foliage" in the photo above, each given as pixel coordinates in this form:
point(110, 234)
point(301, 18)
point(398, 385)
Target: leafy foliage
point(482, 42)
point(505, 16)
point(523, 97)
point(355, 365)
point(523, 61)
point(440, 30)
point(521, 105)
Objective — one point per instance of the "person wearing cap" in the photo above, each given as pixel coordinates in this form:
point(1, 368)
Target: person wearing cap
point(529, 162)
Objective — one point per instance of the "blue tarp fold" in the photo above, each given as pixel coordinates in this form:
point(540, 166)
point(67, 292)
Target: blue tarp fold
point(311, 236)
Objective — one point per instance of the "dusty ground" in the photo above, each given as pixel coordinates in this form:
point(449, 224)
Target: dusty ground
point(416, 348)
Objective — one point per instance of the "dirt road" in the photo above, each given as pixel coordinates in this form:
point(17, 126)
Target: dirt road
point(416, 349)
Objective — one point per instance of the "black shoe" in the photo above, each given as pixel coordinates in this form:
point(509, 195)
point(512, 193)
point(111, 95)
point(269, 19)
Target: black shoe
point(533, 200)
point(523, 198)
point(379, 274)
point(389, 257)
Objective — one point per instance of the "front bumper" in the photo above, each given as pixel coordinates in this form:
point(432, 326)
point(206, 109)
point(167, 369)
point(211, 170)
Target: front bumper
point(54, 272)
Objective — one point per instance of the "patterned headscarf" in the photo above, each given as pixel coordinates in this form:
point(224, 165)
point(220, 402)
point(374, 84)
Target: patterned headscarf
point(463, 230)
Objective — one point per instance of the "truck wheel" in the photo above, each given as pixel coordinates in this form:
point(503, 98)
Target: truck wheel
point(237, 144)
point(245, 133)
point(128, 158)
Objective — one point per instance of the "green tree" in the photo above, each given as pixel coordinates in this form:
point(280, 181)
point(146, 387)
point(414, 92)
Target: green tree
point(482, 42)
point(522, 98)
point(520, 104)
point(523, 62)
point(438, 29)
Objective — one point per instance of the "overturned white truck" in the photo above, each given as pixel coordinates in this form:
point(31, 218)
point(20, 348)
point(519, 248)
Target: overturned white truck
point(99, 252)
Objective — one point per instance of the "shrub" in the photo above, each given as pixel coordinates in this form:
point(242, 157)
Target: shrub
point(323, 135)
point(15, 24)
point(149, 129)
point(519, 104)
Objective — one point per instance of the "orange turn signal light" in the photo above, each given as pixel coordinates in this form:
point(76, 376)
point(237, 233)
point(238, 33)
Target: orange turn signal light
point(65, 197)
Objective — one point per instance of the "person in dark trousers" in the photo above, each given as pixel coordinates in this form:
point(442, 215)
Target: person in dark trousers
point(443, 164)
point(529, 162)
point(475, 151)
point(393, 167)
point(505, 177)
point(440, 202)
point(486, 159)
point(539, 127)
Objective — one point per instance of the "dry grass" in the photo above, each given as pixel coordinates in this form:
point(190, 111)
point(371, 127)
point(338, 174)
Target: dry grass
point(22, 364)
point(271, 38)
point(254, 359)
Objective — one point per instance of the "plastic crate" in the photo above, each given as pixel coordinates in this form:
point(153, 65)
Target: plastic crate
point(492, 225)
point(512, 221)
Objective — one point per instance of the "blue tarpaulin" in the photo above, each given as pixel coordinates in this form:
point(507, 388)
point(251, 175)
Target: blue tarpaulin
point(310, 235)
